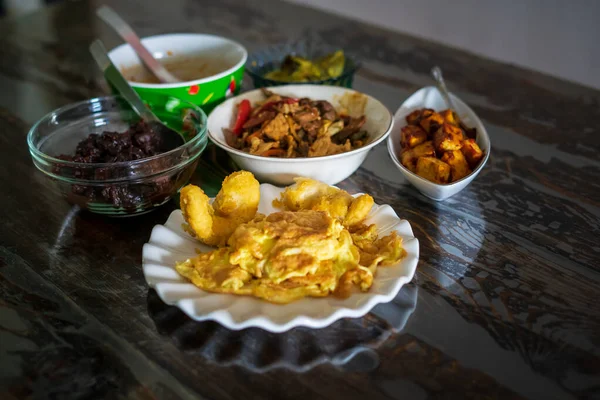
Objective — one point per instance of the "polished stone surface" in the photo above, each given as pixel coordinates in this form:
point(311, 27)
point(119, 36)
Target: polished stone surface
point(504, 303)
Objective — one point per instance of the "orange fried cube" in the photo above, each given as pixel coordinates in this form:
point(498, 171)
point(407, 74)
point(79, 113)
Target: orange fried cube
point(433, 169)
point(412, 135)
point(409, 157)
point(432, 123)
point(426, 112)
point(459, 167)
point(415, 117)
point(447, 138)
point(449, 117)
point(472, 152)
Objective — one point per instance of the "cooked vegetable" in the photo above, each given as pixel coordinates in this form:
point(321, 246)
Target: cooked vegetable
point(472, 152)
point(433, 169)
point(242, 116)
point(409, 157)
point(416, 116)
point(450, 117)
point(432, 122)
point(299, 69)
point(437, 146)
point(412, 136)
point(289, 127)
point(447, 138)
point(458, 164)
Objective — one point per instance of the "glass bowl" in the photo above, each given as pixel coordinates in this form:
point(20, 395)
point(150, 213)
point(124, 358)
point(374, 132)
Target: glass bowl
point(121, 188)
point(266, 60)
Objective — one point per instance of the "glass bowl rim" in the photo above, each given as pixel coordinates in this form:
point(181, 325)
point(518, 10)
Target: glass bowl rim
point(40, 154)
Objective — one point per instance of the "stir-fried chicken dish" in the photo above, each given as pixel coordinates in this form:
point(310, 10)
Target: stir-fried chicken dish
point(288, 127)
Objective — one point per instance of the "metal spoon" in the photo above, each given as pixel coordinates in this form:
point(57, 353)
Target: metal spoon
point(436, 72)
point(169, 138)
point(126, 32)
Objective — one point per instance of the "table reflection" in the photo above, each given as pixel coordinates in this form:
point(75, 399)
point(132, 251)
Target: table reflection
point(348, 344)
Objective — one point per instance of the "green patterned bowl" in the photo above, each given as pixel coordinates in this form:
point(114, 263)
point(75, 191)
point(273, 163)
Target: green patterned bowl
point(205, 92)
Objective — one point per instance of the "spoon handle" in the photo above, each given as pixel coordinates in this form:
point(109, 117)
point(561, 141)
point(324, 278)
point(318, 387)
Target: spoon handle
point(112, 75)
point(126, 32)
point(436, 72)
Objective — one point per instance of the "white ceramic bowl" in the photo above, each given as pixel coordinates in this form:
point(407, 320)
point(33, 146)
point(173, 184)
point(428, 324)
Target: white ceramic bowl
point(429, 97)
point(282, 171)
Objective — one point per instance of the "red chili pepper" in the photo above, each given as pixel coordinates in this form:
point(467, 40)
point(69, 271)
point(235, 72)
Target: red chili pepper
point(266, 106)
point(242, 116)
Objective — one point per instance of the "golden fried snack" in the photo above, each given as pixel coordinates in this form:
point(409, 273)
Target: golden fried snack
point(236, 203)
point(472, 152)
point(334, 204)
point(309, 194)
point(447, 138)
point(448, 155)
point(302, 195)
point(197, 212)
point(431, 123)
point(433, 169)
point(415, 117)
point(412, 136)
point(458, 164)
point(359, 209)
point(239, 196)
point(449, 117)
point(409, 158)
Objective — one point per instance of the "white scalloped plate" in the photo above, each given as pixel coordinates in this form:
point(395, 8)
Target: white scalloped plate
point(170, 243)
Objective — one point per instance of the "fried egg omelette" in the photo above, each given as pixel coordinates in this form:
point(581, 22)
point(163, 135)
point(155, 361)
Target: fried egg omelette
point(309, 194)
point(287, 255)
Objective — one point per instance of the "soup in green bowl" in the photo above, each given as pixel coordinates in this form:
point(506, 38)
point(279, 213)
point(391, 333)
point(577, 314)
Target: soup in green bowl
point(210, 68)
